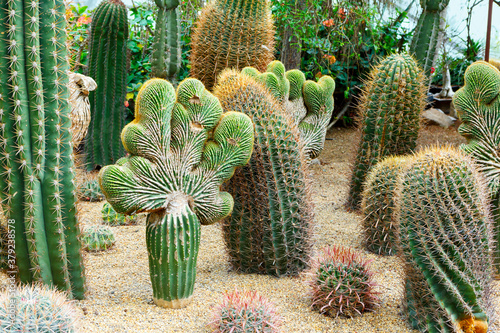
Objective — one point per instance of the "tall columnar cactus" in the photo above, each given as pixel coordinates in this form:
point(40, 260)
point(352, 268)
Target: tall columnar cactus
point(36, 163)
point(231, 34)
point(308, 103)
point(390, 109)
point(166, 57)
point(478, 105)
point(181, 150)
point(426, 35)
point(446, 242)
point(380, 222)
point(269, 229)
point(108, 67)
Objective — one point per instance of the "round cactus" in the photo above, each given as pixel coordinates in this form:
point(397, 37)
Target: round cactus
point(341, 283)
point(112, 218)
point(36, 309)
point(98, 238)
point(182, 148)
point(380, 222)
point(245, 312)
point(90, 191)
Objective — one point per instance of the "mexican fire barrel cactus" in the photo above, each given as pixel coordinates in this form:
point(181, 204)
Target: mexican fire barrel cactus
point(181, 150)
point(108, 67)
point(269, 229)
point(446, 242)
point(310, 104)
point(166, 56)
point(478, 105)
point(231, 34)
point(426, 35)
point(36, 164)
point(390, 109)
point(378, 205)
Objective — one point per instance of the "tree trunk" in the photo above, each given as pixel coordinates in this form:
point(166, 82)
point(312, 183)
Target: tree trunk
point(290, 52)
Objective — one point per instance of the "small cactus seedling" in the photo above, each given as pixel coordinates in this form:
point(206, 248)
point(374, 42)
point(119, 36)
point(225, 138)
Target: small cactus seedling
point(245, 312)
point(98, 238)
point(90, 191)
point(182, 148)
point(379, 206)
point(112, 218)
point(446, 242)
point(33, 309)
point(341, 283)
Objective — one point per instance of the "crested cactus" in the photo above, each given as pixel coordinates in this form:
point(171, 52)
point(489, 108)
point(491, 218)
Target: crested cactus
point(112, 218)
point(378, 205)
point(166, 56)
point(426, 35)
point(36, 165)
point(108, 67)
point(269, 229)
point(231, 34)
point(446, 242)
point(478, 105)
point(309, 104)
point(390, 109)
point(181, 150)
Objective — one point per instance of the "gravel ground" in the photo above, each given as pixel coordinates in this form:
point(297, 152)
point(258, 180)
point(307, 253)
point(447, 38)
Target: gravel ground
point(120, 295)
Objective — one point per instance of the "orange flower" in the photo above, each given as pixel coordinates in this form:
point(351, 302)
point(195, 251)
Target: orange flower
point(328, 23)
point(341, 13)
point(331, 58)
point(84, 19)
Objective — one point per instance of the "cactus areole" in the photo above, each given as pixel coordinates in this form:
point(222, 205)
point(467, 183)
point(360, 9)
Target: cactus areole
point(36, 164)
point(181, 150)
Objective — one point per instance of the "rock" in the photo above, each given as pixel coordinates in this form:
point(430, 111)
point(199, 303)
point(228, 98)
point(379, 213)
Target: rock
point(439, 117)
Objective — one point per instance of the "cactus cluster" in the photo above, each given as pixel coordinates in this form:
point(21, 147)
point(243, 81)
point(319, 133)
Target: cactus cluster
point(182, 148)
point(269, 229)
point(380, 223)
point(90, 191)
point(341, 283)
point(231, 34)
point(37, 309)
point(309, 104)
point(112, 218)
point(245, 311)
point(108, 67)
point(36, 168)
point(98, 238)
point(446, 242)
point(390, 108)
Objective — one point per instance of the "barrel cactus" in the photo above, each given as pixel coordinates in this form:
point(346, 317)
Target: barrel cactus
point(426, 36)
point(166, 56)
point(90, 191)
point(36, 169)
point(108, 67)
point(98, 238)
point(269, 229)
point(390, 108)
point(446, 242)
point(231, 34)
point(181, 150)
point(112, 218)
point(309, 104)
point(378, 205)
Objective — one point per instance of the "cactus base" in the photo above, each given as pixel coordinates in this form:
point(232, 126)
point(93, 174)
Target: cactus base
point(174, 304)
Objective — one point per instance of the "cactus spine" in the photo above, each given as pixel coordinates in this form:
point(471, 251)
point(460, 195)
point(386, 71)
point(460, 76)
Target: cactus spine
point(390, 108)
point(231, 34)
point(269, 229)
point(166, 57)
point(426, 36)
point(446, 242)
point(37, 175)
point(181, 150)
point(108, 67)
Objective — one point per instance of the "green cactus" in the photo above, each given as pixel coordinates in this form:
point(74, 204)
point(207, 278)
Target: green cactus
point(33, 309)
point(378, 205)
point(112, 218)
point(36, 165)
point(446, 242)
point(4, 250)
point(98, 238)
point(166, 56)
point(108, 67)
point(426, 35)
point(269, 229)
point(390, 109)
point(231, 34)
point(182, 149)
point(90, 191)
point(310, 104)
